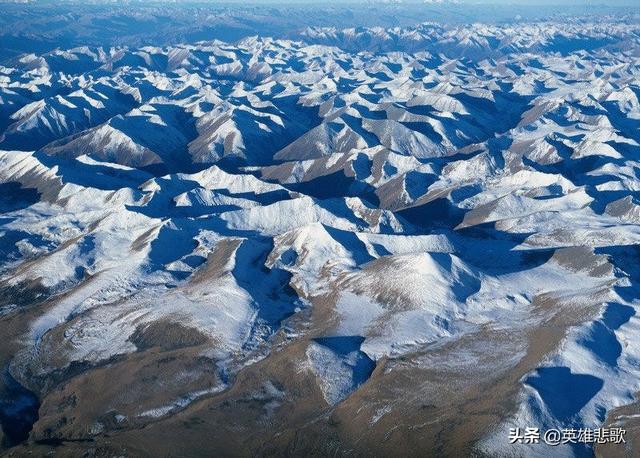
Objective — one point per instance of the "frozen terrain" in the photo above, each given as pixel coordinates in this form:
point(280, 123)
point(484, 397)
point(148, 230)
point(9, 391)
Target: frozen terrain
point(369, 240)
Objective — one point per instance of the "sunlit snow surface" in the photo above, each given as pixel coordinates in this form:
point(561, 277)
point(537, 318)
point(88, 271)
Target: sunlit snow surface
point(466, 179)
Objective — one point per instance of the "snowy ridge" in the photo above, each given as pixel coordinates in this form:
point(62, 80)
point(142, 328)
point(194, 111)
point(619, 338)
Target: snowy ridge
point(416, 212)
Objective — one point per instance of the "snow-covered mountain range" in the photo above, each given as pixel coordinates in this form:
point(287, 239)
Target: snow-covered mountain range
point(358, 241)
